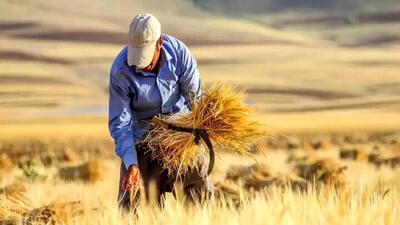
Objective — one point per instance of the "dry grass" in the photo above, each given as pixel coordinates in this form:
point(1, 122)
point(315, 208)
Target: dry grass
point(221, 112)
point(364, 204)
point(265, 193)
point(14, 201)
point(54, 213)
point(16, 206)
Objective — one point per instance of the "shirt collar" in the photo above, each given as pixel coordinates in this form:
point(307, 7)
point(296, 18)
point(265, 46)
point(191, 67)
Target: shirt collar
point(168, 57)
point(144, 73)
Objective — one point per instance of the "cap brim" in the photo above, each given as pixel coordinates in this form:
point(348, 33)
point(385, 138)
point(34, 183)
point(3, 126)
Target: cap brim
point(141, 56)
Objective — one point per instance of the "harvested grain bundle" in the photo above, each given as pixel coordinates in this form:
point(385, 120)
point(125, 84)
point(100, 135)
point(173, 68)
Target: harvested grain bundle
point(17, 208)
point(292, 182)
point(221, 113)
point(55, 213)
point(255, 171)
point(257, 177)
point(354, 154)
point(6, 165)
point(259, 184)
point(393, 162)
point(70, 155)
point(320, 145)
point(14, 201)
point(323, 170)
point(293, 158)
point(91, 171)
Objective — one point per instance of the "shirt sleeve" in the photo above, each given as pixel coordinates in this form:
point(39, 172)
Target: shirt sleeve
point(190, 79)
point(120, 122)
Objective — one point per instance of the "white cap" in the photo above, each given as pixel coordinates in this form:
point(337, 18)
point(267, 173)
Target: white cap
point(144, 32)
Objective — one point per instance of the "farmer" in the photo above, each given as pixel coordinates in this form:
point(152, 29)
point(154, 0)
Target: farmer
point(154, 74)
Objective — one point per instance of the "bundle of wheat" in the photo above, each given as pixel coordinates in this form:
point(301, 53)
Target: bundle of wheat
point(6, 165)
point(221, 112)
point(17, 208)
point(258, 177)
point(14, 201)
point(54, 213)
point(70, 155)
point(90, 171)
point(5, 162)
point(354, 154)
point(323, 170)
point(255, 171)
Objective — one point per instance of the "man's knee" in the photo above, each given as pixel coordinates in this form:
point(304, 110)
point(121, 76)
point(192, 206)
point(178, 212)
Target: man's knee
point(200, 190)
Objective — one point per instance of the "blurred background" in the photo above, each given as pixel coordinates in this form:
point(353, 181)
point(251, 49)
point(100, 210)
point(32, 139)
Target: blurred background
point(308, 65)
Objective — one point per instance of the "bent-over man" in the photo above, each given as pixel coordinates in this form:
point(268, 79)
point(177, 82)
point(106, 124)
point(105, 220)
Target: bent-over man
point(154, 74)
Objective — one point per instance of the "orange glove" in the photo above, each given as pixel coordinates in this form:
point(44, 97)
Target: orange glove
point(131, 178)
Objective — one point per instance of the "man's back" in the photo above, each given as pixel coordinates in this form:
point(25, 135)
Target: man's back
point(137, 95)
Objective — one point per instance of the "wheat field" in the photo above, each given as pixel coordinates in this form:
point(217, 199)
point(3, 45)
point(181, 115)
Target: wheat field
point(272, 190)
point(325, 84)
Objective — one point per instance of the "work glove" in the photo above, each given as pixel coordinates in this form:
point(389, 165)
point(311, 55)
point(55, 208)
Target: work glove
point(131, 178)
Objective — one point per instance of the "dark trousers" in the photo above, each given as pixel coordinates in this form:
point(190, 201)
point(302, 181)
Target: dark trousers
point(156, 181)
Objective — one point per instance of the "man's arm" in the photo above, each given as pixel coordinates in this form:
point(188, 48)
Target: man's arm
point(190, 79)
point(120, 122)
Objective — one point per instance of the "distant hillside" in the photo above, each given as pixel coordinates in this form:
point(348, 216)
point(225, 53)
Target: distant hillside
point(262, 6)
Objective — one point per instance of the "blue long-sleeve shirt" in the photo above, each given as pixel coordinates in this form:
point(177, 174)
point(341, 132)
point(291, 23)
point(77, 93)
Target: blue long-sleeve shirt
point(136, 95)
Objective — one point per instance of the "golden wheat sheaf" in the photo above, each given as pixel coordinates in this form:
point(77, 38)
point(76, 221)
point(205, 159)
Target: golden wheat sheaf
point(222, 113)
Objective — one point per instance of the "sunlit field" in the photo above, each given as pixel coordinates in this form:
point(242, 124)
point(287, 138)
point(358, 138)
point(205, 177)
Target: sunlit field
point(327, 89)
point(301, 179)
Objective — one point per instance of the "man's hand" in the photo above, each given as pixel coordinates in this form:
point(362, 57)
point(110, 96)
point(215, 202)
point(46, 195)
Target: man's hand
point(131, 178)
